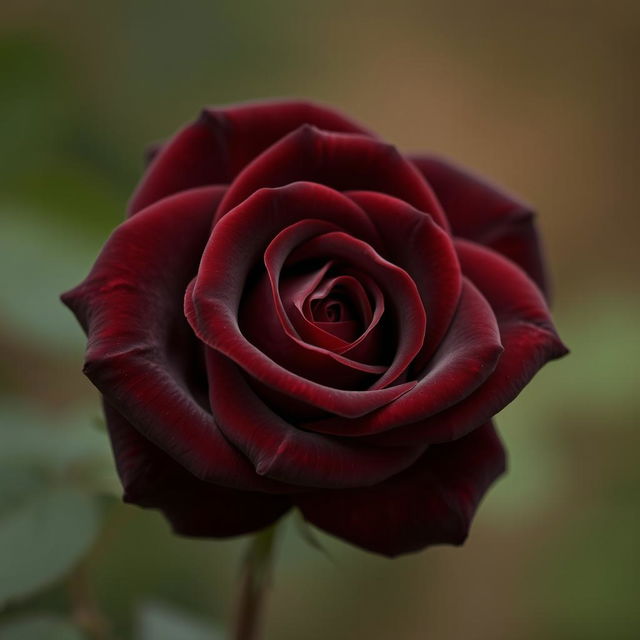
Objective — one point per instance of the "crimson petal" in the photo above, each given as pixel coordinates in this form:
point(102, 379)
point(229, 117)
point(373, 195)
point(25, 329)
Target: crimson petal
point(282, 452)
point(259, 323)
point(275, 256)
point(528, 337)
point(297, 293)
point(432, 502)
point(410, 315)
point(152, 479)
point(130, 307)
point(214, 148)
point(465, 359)
point(341, 161)
point(212, 302)
point(348, 336)
point(414, 242)
point(486, 214)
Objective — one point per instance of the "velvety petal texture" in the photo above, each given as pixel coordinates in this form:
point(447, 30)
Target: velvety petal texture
point(433, 502)
point(214, 148)
point(295, 314)
point(213, 299)
point(153, 479)
point(141, 353)
point(341, 161)
point(480, 211)
point(280, 451)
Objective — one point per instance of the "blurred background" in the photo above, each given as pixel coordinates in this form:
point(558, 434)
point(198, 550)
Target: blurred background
point(542, 97)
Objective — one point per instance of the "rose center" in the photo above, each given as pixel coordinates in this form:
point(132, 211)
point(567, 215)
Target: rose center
point(331, 309)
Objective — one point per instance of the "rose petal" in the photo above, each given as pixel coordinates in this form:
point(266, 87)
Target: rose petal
point(264, 321)
point(370, 346)
point(260, 325)
point(465, 359)
point(432, 502)
point(223, 140)
point(237, 244)
point(152, 479)
point(398, 287)
point(341, 161)
point(293, 291)
point(359, 340)
point(346, 330)
point(282, 452)
point(298, 291)
point(346, 291)
point(414, 242)
point(486, 214)
point(279, 250)
point(141, 351)
point(528, 337)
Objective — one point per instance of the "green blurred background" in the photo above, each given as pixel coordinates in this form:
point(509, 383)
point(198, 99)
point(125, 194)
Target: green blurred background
point(542, 97)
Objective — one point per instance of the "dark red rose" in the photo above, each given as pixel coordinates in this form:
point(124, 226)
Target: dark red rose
point(296, 314)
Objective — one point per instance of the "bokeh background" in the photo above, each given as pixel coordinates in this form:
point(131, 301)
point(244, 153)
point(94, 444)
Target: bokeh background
point(540, 96)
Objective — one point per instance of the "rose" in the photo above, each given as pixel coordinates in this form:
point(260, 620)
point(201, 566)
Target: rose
point(295, 314)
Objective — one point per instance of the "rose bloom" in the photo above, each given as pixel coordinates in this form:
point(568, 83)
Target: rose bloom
point(295, 314)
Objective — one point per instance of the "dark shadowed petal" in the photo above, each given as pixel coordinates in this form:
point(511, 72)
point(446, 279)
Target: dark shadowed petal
point(432, 502)
point(281, 451)
point(528, 337)
point(214, 148)
point(370, 345)
point(399, 289)
point(466, 357)
point(260, 325)
point(283, 247)
point(194, 507)
point(236, 245)
point(341, 161)
point(141, 352)
point(359, 338)
point(486, 214)
point(414, 242)
point(266, 324)
point(300, 292)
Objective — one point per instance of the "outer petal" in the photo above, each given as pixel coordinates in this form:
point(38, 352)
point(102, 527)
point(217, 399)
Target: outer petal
point(432, 502)
point(141, 352)
point(484, 213)
point(282, 452)
point(528, 337)
point(195, 508)
point(222, 141)
point(344, 162)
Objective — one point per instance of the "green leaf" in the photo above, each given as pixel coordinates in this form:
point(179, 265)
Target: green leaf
point(42, 538)
point(28, 241)
point(158, 622)
point(40, 627)
point(37, 450)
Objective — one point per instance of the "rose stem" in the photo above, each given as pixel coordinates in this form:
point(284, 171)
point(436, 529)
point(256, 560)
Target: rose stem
point(85, 611)
point(255, 580)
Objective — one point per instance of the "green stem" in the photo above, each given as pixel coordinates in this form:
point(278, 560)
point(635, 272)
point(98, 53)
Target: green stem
point(84, 608)
point(255, 580)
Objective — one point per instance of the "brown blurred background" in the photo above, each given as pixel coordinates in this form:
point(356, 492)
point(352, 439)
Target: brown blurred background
point(542, 97)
